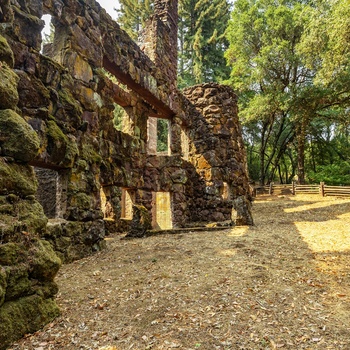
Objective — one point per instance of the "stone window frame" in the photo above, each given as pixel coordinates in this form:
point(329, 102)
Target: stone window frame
point(152, 136)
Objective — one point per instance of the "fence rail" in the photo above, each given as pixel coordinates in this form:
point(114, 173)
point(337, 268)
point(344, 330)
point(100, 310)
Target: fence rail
point(294, 188)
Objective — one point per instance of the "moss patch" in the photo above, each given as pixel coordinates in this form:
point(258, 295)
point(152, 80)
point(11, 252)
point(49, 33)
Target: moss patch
point(23, 216)
point(3, 285)
point(61, 148)
point(18, 283)
point(25, 316)
point(90, 154)
point(17, 178)
point(6, 54)
point(44, 263)
point(11, 254)
point(17, 138)
point(71, 107)
point(32, 215)
point(8, 87)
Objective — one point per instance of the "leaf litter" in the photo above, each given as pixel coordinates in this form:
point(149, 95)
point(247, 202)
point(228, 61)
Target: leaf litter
point(281, 284)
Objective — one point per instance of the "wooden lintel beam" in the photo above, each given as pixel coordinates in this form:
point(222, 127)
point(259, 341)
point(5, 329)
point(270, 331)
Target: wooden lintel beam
point(163, 111)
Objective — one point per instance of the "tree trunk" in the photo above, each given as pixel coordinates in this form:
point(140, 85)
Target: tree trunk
point(262, 160)
point(301, 138)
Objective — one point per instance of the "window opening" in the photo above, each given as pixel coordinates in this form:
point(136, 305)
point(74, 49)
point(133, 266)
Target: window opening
point(106, 205)
point(122, 119)
point(185, 144)
point(47, 34)
point(52, 191)
point(118, 117)
point(158, 136)
point(161, 211)
point(225, 191)
point(163, 136)
point(128, 199)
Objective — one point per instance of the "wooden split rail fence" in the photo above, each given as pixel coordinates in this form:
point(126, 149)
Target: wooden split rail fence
point(321, 189)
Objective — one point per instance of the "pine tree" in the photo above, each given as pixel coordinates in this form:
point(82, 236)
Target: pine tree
point(202, 42)
point(202, 26)
point(133, 14)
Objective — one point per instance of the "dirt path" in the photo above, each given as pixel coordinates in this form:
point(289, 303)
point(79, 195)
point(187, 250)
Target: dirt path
point(283, 283)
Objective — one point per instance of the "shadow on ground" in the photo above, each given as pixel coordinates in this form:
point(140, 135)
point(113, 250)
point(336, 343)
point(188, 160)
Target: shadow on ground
point(265, 287)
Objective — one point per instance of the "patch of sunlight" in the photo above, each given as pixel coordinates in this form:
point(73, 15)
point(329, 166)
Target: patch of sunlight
point(228, 252)
point(316, 205)
point(331, 235)
point(238, 231)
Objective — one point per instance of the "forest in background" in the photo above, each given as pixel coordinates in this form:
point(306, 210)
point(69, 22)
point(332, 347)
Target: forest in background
point(288, 62)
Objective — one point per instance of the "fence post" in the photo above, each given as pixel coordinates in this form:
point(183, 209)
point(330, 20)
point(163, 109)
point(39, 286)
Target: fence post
point(322, 188)
point(293, 187)
point(271, 188)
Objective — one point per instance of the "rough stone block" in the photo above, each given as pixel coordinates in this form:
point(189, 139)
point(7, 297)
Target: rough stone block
point(3, 285)
point(17, 178)
point(32, 92)
point(44, 263)
point(6, 54)
point(23, 316)
point(8, 87)
point(62, 149)
point(28, 28)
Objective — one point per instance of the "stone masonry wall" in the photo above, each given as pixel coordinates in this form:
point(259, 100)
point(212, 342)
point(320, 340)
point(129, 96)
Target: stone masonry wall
point(28, 264)
point(216, 153)
point(64, 164)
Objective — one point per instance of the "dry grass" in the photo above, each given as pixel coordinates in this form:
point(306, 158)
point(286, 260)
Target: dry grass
point(283, 283)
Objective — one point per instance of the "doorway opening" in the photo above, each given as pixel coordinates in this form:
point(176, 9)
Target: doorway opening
point(52, 191)
point(128, 200)
point(161, 211)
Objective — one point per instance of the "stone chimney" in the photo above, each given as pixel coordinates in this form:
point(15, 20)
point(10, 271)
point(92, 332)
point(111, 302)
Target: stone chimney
point(159, 38)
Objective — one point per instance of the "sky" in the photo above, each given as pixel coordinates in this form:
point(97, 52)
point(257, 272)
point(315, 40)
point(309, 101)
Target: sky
point(109, 5)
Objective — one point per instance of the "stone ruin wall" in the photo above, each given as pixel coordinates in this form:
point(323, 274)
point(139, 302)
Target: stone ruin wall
point(216, 154)
point(63, 164)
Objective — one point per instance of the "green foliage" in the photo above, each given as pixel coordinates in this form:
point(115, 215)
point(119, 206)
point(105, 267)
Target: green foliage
point(133, 14)
point(162, 135)
point(202, 42)
point(326, 44)
point(331, 174)
point(49, 38)
point(291, 69)
point(118, 115)
point(269, 75)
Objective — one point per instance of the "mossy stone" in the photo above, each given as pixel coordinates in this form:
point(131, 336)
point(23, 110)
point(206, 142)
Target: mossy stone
point(31, 214)
point(17, 137)
point(141, 221)
point(11, 254)
point(44, 263)
point(71, 107)
point(17, 178)
point(8, 87)
point(81, 200)
point(6, 54)
point(3, 285)
point(72, 228)
point(62, 149)
point(46, 289)
point(90, 154)
point(18, 283)
point(23, 316)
